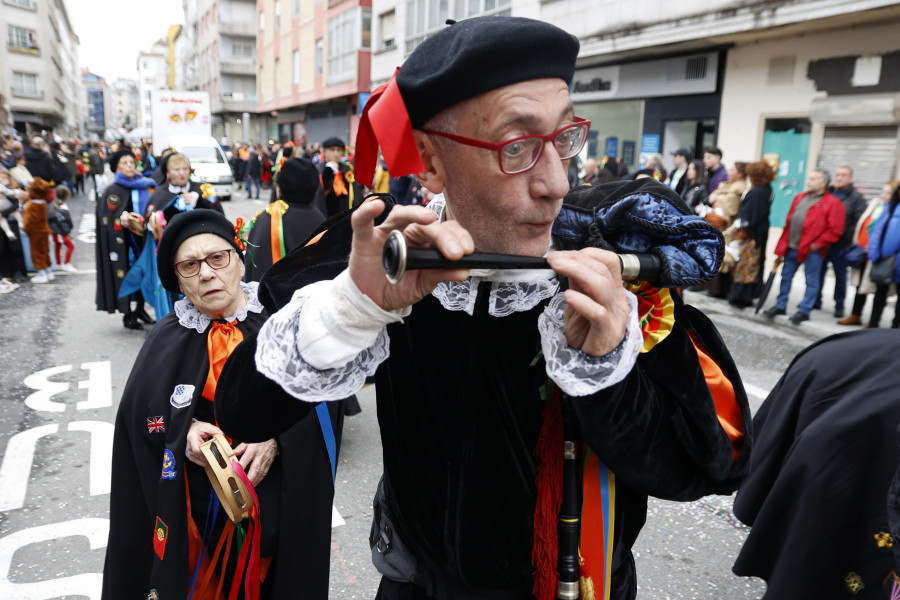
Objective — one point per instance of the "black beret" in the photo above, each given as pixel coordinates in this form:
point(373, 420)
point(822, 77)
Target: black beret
point(114, 160)
point(298, 180)
point(334, 141)
point(181, 227)
point(479, 55)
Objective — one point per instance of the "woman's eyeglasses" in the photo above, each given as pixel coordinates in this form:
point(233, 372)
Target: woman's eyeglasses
point(217, 260)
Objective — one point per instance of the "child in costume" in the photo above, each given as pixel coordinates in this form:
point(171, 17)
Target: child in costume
point(35, 225)
point(61, 225)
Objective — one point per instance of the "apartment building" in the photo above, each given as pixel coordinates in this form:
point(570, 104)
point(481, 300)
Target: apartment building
point(124, 103)
point(39, 74)
point(97, 104)
point(152, 75)
point(314, 68)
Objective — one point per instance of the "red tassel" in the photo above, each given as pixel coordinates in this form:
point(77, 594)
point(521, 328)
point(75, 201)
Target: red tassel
point(549, 454)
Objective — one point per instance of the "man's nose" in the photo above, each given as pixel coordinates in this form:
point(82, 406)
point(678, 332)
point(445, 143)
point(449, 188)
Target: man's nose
point(550, 177)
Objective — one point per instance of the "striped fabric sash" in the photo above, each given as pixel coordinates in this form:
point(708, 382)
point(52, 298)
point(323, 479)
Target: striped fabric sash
point(598, 515)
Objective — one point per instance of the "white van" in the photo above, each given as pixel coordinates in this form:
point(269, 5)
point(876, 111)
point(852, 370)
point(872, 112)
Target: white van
point(207, 160)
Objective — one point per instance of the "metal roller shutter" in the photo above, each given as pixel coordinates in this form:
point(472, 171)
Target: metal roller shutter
point(870, 151)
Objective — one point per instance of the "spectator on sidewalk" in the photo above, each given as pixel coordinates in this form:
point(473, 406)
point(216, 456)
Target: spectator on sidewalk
point(814, 223)
point(726, 204)
point(695, 193)
point(61, 225)
point(752, 227)
point(884, 242)
point(855, 205)
point(716, 172)
point(676, 180)
point(859, 276)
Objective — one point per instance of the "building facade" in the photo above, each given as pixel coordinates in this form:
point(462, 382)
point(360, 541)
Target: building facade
point(152, 75)
point(39, 74)
point(218, 55)
point(315, 67)
point(97, 104)
point(801, 83)
point(125, 104)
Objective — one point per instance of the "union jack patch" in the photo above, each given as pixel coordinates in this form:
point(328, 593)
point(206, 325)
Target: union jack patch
point(156, 425)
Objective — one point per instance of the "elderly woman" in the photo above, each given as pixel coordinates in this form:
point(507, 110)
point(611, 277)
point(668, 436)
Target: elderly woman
point(120, 232)
point(178, 193)
point(165, 523)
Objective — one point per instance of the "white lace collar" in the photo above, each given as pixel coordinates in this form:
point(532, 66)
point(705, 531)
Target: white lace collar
point(190, 317)
point(175, 189)
point(513, 290)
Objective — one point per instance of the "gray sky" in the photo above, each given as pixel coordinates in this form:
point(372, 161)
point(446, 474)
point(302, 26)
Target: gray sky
point(112, 32)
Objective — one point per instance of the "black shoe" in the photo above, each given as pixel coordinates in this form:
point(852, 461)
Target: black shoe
point(772, 312)
point(131, 322)
point(798, 317)
point(143, 316)
point(817, 306)
point(839, 312)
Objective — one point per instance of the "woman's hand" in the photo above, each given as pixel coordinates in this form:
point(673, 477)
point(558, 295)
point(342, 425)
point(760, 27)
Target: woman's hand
point(259, 457)
point(198, 434)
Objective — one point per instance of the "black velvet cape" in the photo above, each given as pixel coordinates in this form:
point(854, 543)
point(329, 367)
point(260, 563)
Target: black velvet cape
point(334, 204)
point(826, 451)
point(299, 222)
point(112, 248)
point(459, 407)
point(295, 496)
point(162, 196)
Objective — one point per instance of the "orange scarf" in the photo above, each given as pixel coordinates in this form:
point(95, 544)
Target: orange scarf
point(220, 343)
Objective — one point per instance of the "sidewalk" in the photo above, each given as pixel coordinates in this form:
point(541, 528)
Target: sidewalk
point(822, 323)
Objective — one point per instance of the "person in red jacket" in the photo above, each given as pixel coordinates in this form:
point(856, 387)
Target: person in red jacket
point(815, 222)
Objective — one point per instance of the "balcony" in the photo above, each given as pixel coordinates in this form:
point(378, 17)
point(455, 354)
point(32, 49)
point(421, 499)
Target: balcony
point(237, 103)
point(19, 49)
point(238, 67)
point(238, 28)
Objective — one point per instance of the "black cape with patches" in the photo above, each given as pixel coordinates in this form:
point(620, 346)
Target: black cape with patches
point(335, 204)
point(817, 492)
point(298, 223)
point(162, 198)
point(459, 409)
point(295, 496)
point(112, 248)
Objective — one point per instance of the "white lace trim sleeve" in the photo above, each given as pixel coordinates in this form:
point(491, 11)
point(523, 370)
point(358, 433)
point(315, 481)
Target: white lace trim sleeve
point(577, 373)
point(325, 342)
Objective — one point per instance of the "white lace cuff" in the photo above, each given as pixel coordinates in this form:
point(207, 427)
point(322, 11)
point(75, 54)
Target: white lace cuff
point(280, 354)
point(577, 373)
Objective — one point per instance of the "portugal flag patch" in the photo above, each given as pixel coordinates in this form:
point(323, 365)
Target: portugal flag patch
point(160, 536)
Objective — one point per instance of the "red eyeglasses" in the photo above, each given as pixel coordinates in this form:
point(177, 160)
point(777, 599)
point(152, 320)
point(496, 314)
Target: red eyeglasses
point(522, 153)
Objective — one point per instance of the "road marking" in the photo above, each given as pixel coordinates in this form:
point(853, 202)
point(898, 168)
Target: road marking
point(101, 453)
point(756, 391)
point(46, 389)
point(16, 467)
point(98, 385)
point(96, 531)
point(87, 228)
point(336, 519)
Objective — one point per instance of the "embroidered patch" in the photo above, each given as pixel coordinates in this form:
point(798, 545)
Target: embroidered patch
point(113, 201)
point(153, 595)
point(182, 395)
point(120, 241)
point(884, 540)
point(113, 256)
point(854, 583)
point(105, 221)
point(120, 274)
point(160, 536)
point(156, 425)
point(168, 470)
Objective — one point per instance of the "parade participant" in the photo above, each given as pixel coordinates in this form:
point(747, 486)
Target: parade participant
point(287, 222)
point(178, 193)
point(342, 192)
point(120, 237)
point(472, 450)
point(161, 522)
point(61, 225)
point(36, 227)
point(826, 450)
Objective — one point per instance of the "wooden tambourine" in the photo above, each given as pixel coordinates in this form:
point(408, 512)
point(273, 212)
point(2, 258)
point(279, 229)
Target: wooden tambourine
point(232, 493)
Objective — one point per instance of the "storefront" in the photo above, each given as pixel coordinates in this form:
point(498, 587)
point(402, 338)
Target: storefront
point(649, 107)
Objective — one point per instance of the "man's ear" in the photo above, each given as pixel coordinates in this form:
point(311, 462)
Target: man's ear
point(434, 174)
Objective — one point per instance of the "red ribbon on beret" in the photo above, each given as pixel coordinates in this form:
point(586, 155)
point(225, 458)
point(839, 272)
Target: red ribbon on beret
point(386, 120)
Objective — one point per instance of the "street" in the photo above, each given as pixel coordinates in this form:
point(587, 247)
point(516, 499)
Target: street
point(64, 368)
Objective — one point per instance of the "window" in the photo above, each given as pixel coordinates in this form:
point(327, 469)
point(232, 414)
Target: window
point(295, 8)
point(242, 48)
point(25, 84)
point(387, 28)
point(262, 21)
point(277, 14)
point(426, 17)
point(275, 75)
point(22, 3)
point(320, 51)
point(348, 32)
point(22, 38)
point(296, 67)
